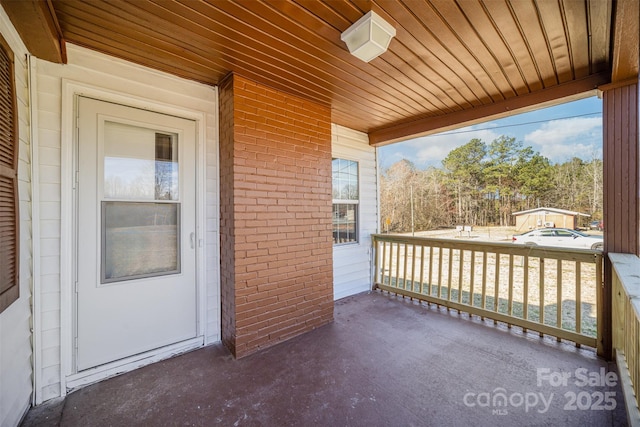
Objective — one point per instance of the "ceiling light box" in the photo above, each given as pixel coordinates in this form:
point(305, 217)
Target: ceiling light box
point(368, 37)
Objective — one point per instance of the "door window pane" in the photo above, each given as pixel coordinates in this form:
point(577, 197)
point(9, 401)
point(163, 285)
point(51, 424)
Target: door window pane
point(140, 239)
point(166, 177)
point(139, 163)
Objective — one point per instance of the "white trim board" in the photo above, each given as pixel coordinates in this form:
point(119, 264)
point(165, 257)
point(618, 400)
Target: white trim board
point(35, 229)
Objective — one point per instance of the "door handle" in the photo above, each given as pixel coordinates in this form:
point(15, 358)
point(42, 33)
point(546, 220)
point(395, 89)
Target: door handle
point(192, 240)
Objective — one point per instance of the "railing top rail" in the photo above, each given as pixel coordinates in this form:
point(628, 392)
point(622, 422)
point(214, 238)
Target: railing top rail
point(582, 255)
point(627, 269)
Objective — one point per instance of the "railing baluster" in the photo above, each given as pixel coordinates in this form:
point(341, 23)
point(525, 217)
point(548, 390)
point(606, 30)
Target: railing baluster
point(460, 275)
point(496, 290)
point(384, 262)
point(632, 340)
point(390, 269)
point(484, 281)
point(634, 344)
point(440, 271)
point(430, 269)
point(630, 345)
point(510, 302)
point(541, 290)
point(636, 351)
point(376, 260)
point(404, 268)
point(422, 269)
point(390, 256)
point(411, 259)
point(449, 278)
point(578, 298)
point(559, 295)
point(631, 349)
point(398, 265)
point(599, 303)
point(472, 277)
point(385, 273)
point(413, 268)
point(525, 285)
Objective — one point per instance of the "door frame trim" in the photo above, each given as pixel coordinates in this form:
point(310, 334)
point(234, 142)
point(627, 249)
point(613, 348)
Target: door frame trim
point(70, 92)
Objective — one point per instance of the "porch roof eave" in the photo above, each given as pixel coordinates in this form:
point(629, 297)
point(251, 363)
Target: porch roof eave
point(41, 25)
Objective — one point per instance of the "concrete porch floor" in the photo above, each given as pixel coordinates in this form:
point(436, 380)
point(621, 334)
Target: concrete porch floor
point(384, 361)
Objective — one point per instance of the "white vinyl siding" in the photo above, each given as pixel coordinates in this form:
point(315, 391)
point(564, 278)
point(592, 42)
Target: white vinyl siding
point(142, 86)
point(352, 262)
point(49, 100)
point(15, 321)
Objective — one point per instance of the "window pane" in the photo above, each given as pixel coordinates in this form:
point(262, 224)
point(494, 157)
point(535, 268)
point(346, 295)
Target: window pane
point(345, 179)
point(139, 239)
point(139, 163)
point(166, 167)
point(345, 223)
point(345, 188)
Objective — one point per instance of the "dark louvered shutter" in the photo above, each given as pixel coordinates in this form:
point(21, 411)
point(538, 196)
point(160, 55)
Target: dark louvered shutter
point(9, 225)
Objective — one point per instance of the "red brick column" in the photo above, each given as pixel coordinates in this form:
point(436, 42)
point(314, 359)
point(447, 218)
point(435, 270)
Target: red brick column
point(275, 213)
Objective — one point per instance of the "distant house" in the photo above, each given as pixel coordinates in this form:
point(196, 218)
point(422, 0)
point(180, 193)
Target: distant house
point(547, 217)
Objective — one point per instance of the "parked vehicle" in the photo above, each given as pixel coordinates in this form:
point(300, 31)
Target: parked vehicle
point(596, 225)
point(562, 237)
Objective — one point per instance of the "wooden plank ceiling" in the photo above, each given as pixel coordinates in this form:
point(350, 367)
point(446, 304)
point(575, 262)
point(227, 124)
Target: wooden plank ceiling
point(458, 59)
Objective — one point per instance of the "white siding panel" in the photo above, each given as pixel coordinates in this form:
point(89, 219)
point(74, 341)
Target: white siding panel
point(51, 210)
point(50, 174)
point(352, 262)
point(51, 318)
point(15, 321)
point(145, 88)
point(51, 155)
point(48, 120)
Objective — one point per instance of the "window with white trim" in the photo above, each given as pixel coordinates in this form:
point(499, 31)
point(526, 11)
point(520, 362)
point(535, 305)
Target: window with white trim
point(346, 199)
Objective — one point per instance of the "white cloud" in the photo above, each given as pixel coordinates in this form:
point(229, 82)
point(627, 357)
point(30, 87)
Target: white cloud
point(431, 150)
point(560, 140)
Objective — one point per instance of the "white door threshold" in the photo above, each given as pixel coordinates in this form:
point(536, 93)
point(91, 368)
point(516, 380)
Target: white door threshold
point(108, 370)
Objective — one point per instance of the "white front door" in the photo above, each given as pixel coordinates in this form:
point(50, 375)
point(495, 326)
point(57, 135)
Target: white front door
point(135, 236)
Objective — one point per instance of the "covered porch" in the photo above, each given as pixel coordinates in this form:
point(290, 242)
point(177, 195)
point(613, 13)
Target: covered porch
point(275, 97)
point(385, 360)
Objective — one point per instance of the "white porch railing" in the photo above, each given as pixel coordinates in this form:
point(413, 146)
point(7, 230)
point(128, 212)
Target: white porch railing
point(552, 291)
point(626, 328)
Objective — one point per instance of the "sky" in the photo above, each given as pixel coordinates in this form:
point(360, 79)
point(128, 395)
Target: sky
point(559, 133)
